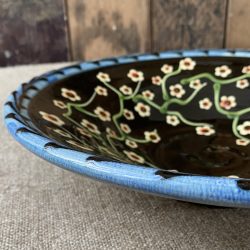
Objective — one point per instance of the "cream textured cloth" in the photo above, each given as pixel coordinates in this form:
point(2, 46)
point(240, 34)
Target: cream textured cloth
point(45, 207)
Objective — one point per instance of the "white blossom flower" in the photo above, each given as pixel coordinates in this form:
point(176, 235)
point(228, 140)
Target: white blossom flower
point(135, 76)
point(101, 90)
point(70, 94)
point(228, 102)
point(133, 156)
point(187, 64)
point(242, 142)
point(205, 103)
point(51, 118)
point(90, 126)
point(129, 115)
point(244, 128)
point(59, 104)
point(103, 77)
point(246, 69)
point(103, 114)
point(152, 136)
point(126, 90)
point(125, 128)
point(131, 144)
point(142, 109)
point(205, 130)
point(148, 94)
point(196, 84)
point(156, 80)
point(223, 71)
point(242, 84)
point(172, 120)
point(177, 90)
point(166, 68)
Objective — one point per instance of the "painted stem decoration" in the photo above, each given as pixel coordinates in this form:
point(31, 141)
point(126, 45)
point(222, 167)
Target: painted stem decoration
point(143, 105)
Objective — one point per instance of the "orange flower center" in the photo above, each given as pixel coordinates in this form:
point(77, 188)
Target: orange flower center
point(51, 117)
point(69, 94)
point(90, 126)
point(135, 157)
point(127, 114)
point(227, 103)
point(204, 130)
point(135, 74)
point(153, 137)
point(103, 113)
point(247, 128)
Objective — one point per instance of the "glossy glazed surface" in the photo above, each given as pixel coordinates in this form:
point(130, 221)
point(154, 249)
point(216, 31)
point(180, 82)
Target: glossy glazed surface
point(185, 114)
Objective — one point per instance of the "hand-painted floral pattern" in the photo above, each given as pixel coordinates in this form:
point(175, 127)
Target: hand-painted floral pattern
point(103, 114)
point(196, 84)
point(166, 68)
point(242, 142)
point(70, 94)
point(246, 70)
point(134, 157)
point(142, 109)
point(177, 90)
point(52, 118)
point(148, 94)
point(187, 64)
point(59, 104)
point(242, 84)
point(126, 90)
point(131, 144)
point(205, 130)
point(135, 76)
point(152, 136)
point(172, 120)
point(90, 126)
point(223, 71)
point(125, 128)
point(205, 103)
point(101, 90)
point(156, 80)
point(103, 77)
point(228, 102)
point(135, 100)
point(244, 128)
point(129, 115)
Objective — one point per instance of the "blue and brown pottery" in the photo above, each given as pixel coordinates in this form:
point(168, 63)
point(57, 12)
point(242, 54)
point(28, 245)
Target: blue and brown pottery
point(175, 123)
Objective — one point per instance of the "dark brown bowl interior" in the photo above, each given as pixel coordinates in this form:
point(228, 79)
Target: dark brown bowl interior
point(168, 133)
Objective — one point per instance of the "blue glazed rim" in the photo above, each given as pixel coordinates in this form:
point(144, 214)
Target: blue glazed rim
point(209, 190)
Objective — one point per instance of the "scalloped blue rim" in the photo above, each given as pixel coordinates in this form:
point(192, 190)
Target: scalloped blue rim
point(217, 191)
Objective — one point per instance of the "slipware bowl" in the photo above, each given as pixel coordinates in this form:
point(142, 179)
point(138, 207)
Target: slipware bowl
point(174, 124)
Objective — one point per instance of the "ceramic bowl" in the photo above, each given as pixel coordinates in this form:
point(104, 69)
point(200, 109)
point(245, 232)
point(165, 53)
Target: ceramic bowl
point(175, 123)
